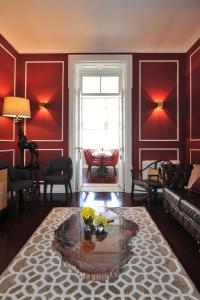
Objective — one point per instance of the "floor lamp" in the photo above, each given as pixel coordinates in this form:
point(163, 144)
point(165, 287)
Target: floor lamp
point(18, 108)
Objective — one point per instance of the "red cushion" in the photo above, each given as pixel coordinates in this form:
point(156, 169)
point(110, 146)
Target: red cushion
point(196, 186)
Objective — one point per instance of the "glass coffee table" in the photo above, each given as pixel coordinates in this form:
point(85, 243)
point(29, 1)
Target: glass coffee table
point(94, 257)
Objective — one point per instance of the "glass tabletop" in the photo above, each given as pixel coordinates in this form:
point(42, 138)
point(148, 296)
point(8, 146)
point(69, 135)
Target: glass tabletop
point(95, 257)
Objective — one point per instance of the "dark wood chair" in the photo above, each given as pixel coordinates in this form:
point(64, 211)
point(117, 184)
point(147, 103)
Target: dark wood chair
point(59, 171)
point(152, 183)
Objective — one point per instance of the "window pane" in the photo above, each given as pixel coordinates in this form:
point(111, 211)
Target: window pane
point(111, 139)
point(100, 122)
point(112, 110)
point(93, 139)
point(93, 113)
point(110, 84)
point(90, 84)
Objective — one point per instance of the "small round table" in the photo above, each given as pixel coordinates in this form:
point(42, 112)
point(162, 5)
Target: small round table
point(102, 171)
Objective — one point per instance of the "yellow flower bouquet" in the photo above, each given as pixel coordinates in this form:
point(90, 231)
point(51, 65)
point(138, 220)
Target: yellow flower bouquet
point(88, 215)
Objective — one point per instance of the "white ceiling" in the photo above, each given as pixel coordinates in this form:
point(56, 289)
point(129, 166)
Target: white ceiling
point(71, 26)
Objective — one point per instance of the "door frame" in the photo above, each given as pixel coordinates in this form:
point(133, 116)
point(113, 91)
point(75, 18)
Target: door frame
point(127, 60)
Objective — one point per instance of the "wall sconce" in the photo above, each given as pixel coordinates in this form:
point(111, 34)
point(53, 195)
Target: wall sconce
point(160, 104)
point(43, 105)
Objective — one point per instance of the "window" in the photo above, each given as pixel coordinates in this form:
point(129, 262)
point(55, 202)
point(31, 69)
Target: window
point(100, 101)
point(100, 122)
point(100, 84)
point(90, 85)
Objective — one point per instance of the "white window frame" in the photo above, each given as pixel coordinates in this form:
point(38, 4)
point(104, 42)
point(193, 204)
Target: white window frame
point(100, 73)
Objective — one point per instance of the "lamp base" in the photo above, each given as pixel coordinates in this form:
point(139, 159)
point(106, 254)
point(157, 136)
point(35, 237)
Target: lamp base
point(23, 144)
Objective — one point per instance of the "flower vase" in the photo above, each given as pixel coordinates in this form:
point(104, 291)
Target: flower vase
point(88, 227)
point(100, 233)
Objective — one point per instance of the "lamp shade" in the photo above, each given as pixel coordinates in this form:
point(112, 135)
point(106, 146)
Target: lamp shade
point(16, 107)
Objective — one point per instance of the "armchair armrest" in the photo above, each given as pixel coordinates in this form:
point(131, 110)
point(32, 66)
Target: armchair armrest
point(152, 167)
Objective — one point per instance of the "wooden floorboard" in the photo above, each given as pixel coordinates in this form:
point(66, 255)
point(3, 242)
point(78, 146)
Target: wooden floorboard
point(15, 231)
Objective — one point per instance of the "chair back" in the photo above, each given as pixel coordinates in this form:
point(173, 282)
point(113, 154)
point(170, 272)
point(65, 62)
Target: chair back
point(115, 156)
point(88, 156)
point(59, 164)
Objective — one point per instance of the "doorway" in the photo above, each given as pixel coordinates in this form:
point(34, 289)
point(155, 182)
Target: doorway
point(100, 119)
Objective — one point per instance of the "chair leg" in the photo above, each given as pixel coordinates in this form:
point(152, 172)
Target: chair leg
point(45, 188)
point(88, 170)
point(66, 188)
point(12, 201)
point(17, 203)
point(31, 192)
point(51, 188)
point(132, 190)
point(70, 188)
point(115, 172)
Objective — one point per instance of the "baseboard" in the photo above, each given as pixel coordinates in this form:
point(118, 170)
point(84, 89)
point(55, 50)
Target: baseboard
point(59, 189)
point(100, 187)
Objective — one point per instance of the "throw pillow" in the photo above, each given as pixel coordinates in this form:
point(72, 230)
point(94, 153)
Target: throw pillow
point(196, 186)
point(153, 174)
point(195, 174)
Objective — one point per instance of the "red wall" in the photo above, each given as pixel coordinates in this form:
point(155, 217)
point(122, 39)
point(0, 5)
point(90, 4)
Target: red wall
point(8, 66)
point(43, 78)
point(193, 103)
point(40, 78)
point(158, 133)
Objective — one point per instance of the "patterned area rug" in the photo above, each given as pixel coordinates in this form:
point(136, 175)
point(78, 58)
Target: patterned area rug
point(153, 272)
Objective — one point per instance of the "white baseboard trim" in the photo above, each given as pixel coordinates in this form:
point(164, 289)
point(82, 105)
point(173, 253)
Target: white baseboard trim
point(91, 187)
point(59, 189)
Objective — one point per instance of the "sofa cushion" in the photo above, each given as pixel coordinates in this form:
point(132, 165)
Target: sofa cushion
point(176, 175)
point(196, 186)
point(191, 207)
point(195, 174)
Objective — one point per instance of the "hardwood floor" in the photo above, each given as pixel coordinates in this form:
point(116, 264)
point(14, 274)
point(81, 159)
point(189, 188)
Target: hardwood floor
point(14, 231)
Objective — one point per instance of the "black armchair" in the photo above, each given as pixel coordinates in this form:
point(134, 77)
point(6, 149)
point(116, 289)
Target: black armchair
point(153, 181)
point(59, 171)
point(18, 181)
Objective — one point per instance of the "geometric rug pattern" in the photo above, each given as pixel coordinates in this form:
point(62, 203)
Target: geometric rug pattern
point(153, 272)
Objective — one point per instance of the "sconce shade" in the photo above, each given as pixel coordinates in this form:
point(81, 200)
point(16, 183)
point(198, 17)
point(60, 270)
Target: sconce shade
point(42, 105)
point(16, 107)
point(160, 104)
